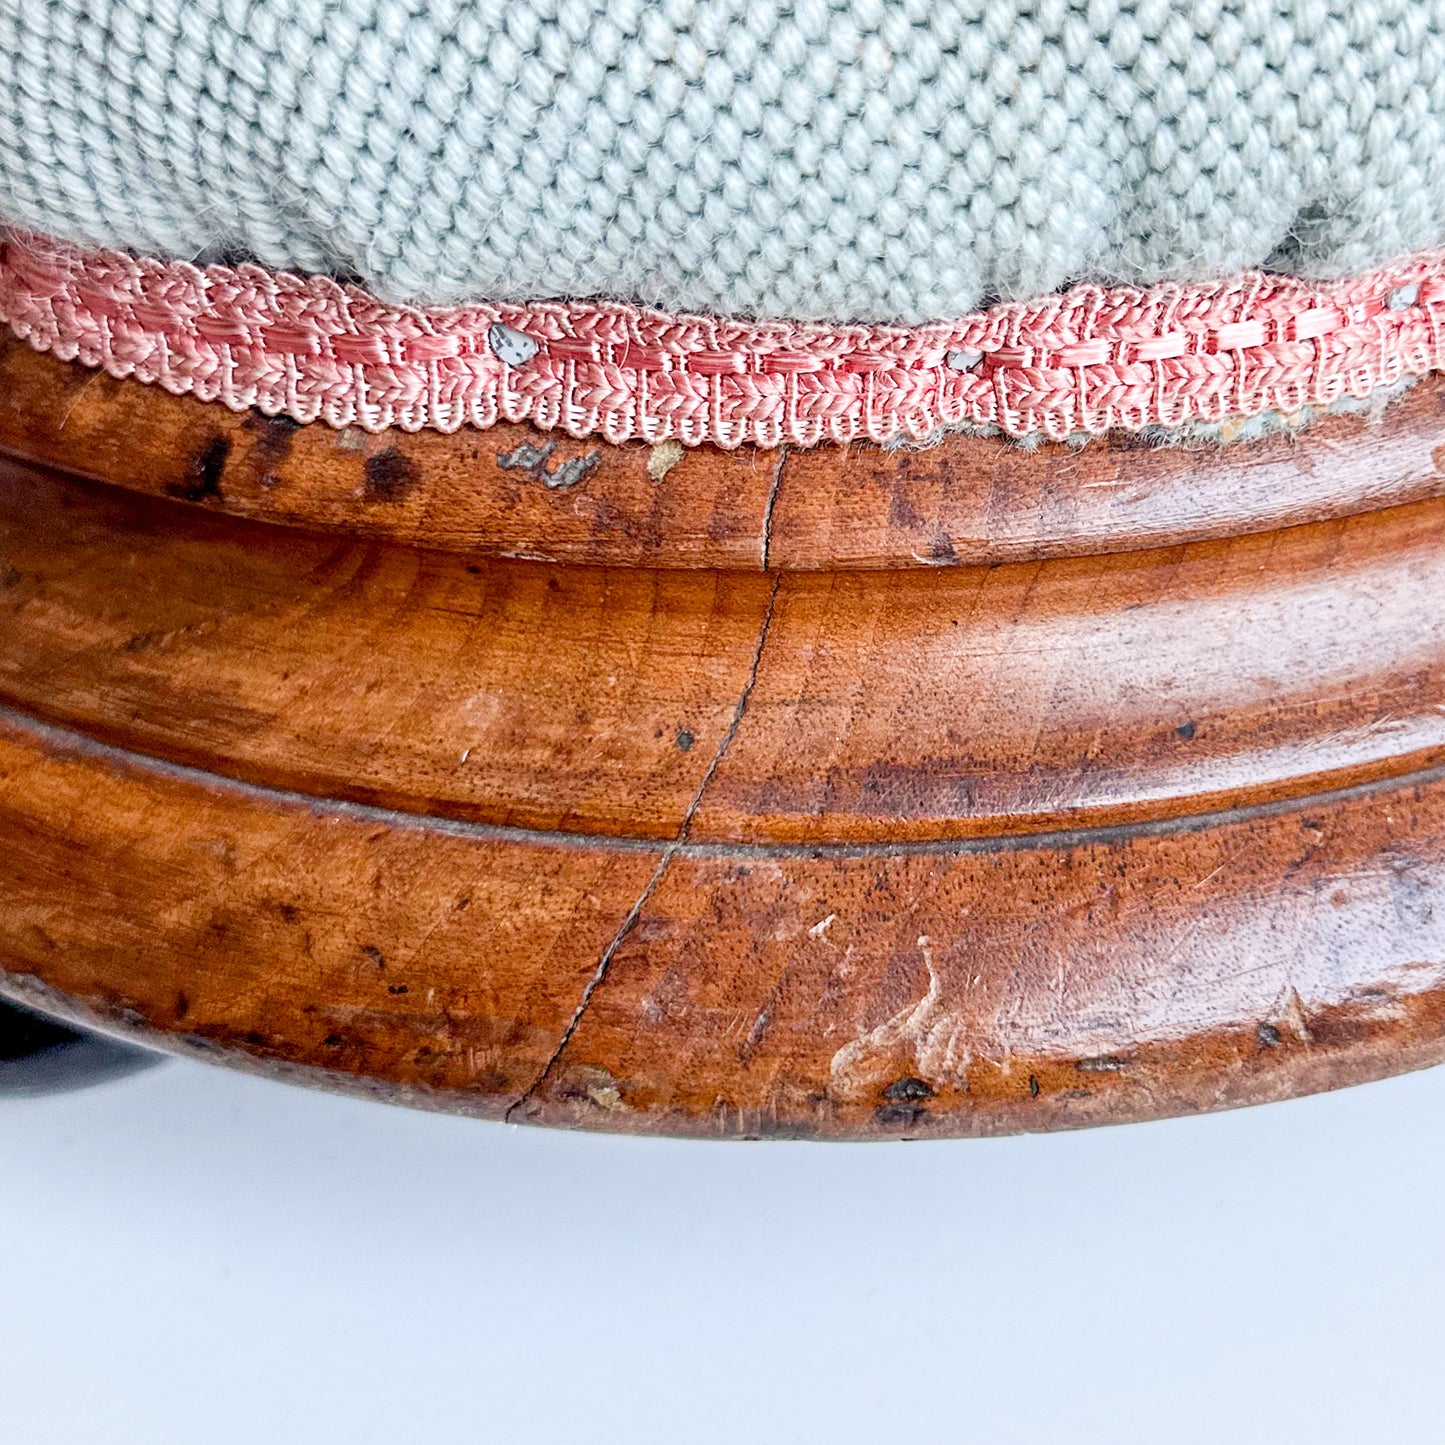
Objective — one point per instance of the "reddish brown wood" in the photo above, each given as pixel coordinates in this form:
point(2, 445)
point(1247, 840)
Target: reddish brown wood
point(1074, 980)
point(211, 917)
point(896, 706)
point(975, 500)
point(483, 493)
point(836, 849)
point(966, 500)
point(886, 706)
point(963, 989)
point(512, 693)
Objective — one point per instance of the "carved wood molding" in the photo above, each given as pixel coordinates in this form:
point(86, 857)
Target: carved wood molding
point(318, 783)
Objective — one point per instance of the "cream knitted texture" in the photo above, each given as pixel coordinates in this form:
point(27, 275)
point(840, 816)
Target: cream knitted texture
point(875, 160)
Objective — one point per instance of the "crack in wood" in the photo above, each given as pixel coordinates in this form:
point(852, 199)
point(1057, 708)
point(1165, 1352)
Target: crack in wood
point(767, 539)
point(630, 921)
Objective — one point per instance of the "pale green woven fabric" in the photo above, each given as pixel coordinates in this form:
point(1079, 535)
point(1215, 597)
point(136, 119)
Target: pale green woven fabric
point(837, 159)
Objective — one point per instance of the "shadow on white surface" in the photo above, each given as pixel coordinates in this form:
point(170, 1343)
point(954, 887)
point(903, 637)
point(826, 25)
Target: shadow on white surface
point(203, 1258)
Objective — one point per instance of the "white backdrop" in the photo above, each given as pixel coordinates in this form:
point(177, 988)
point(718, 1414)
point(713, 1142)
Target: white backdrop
point(200, 1258)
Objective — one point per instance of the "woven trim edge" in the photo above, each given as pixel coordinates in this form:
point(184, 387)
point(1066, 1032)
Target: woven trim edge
point(1084, 361)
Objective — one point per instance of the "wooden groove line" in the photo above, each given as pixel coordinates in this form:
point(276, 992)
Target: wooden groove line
point(64, 739)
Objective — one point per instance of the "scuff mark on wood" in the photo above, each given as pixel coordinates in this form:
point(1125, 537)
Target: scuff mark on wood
point(533, 461)
point(664, 457)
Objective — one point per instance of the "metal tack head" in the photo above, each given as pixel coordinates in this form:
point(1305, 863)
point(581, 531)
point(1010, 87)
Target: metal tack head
point(963, 360)
point(509, 346)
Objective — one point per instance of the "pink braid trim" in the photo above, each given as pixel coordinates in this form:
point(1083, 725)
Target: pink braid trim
point(1084, 361)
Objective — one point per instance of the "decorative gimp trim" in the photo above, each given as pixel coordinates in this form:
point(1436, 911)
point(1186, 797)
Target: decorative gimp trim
point(1081, 362)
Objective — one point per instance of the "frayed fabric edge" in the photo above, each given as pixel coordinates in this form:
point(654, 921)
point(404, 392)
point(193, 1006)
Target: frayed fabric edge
point(1201, 435)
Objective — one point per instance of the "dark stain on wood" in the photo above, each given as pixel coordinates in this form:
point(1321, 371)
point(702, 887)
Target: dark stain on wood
point(272, 437)
point(390, 476)
point(202, 481)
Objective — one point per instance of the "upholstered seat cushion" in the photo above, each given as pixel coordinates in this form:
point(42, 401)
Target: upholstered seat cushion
point(881, 160)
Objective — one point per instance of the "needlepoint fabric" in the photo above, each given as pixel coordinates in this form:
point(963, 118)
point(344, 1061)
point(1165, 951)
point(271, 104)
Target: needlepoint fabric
point(889, 161)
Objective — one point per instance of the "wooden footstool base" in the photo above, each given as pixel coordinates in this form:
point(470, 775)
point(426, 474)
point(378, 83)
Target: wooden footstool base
point(849, 793)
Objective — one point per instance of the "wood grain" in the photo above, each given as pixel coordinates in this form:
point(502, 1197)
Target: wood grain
point(966, 500)
point(945, 990)
point(333, 940)
point(512, 693)
point(977, 500)
point(1019, 790)
point(882, 705)
point(491, 493)
point(1081, 979)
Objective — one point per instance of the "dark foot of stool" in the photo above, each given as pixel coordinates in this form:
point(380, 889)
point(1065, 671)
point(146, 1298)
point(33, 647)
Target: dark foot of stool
point(39, 1056)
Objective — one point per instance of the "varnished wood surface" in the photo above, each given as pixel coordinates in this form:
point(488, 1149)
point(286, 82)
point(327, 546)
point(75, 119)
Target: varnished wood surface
point(319, 782)
point(485, 493)
point(494, 493)
point(945, 990)
point(877, 706)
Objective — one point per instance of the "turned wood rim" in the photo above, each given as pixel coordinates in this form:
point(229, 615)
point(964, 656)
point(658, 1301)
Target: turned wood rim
point(236, 820)
point(515, 491)
point(880, 708)
point(243, 966)
point(773, 812)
